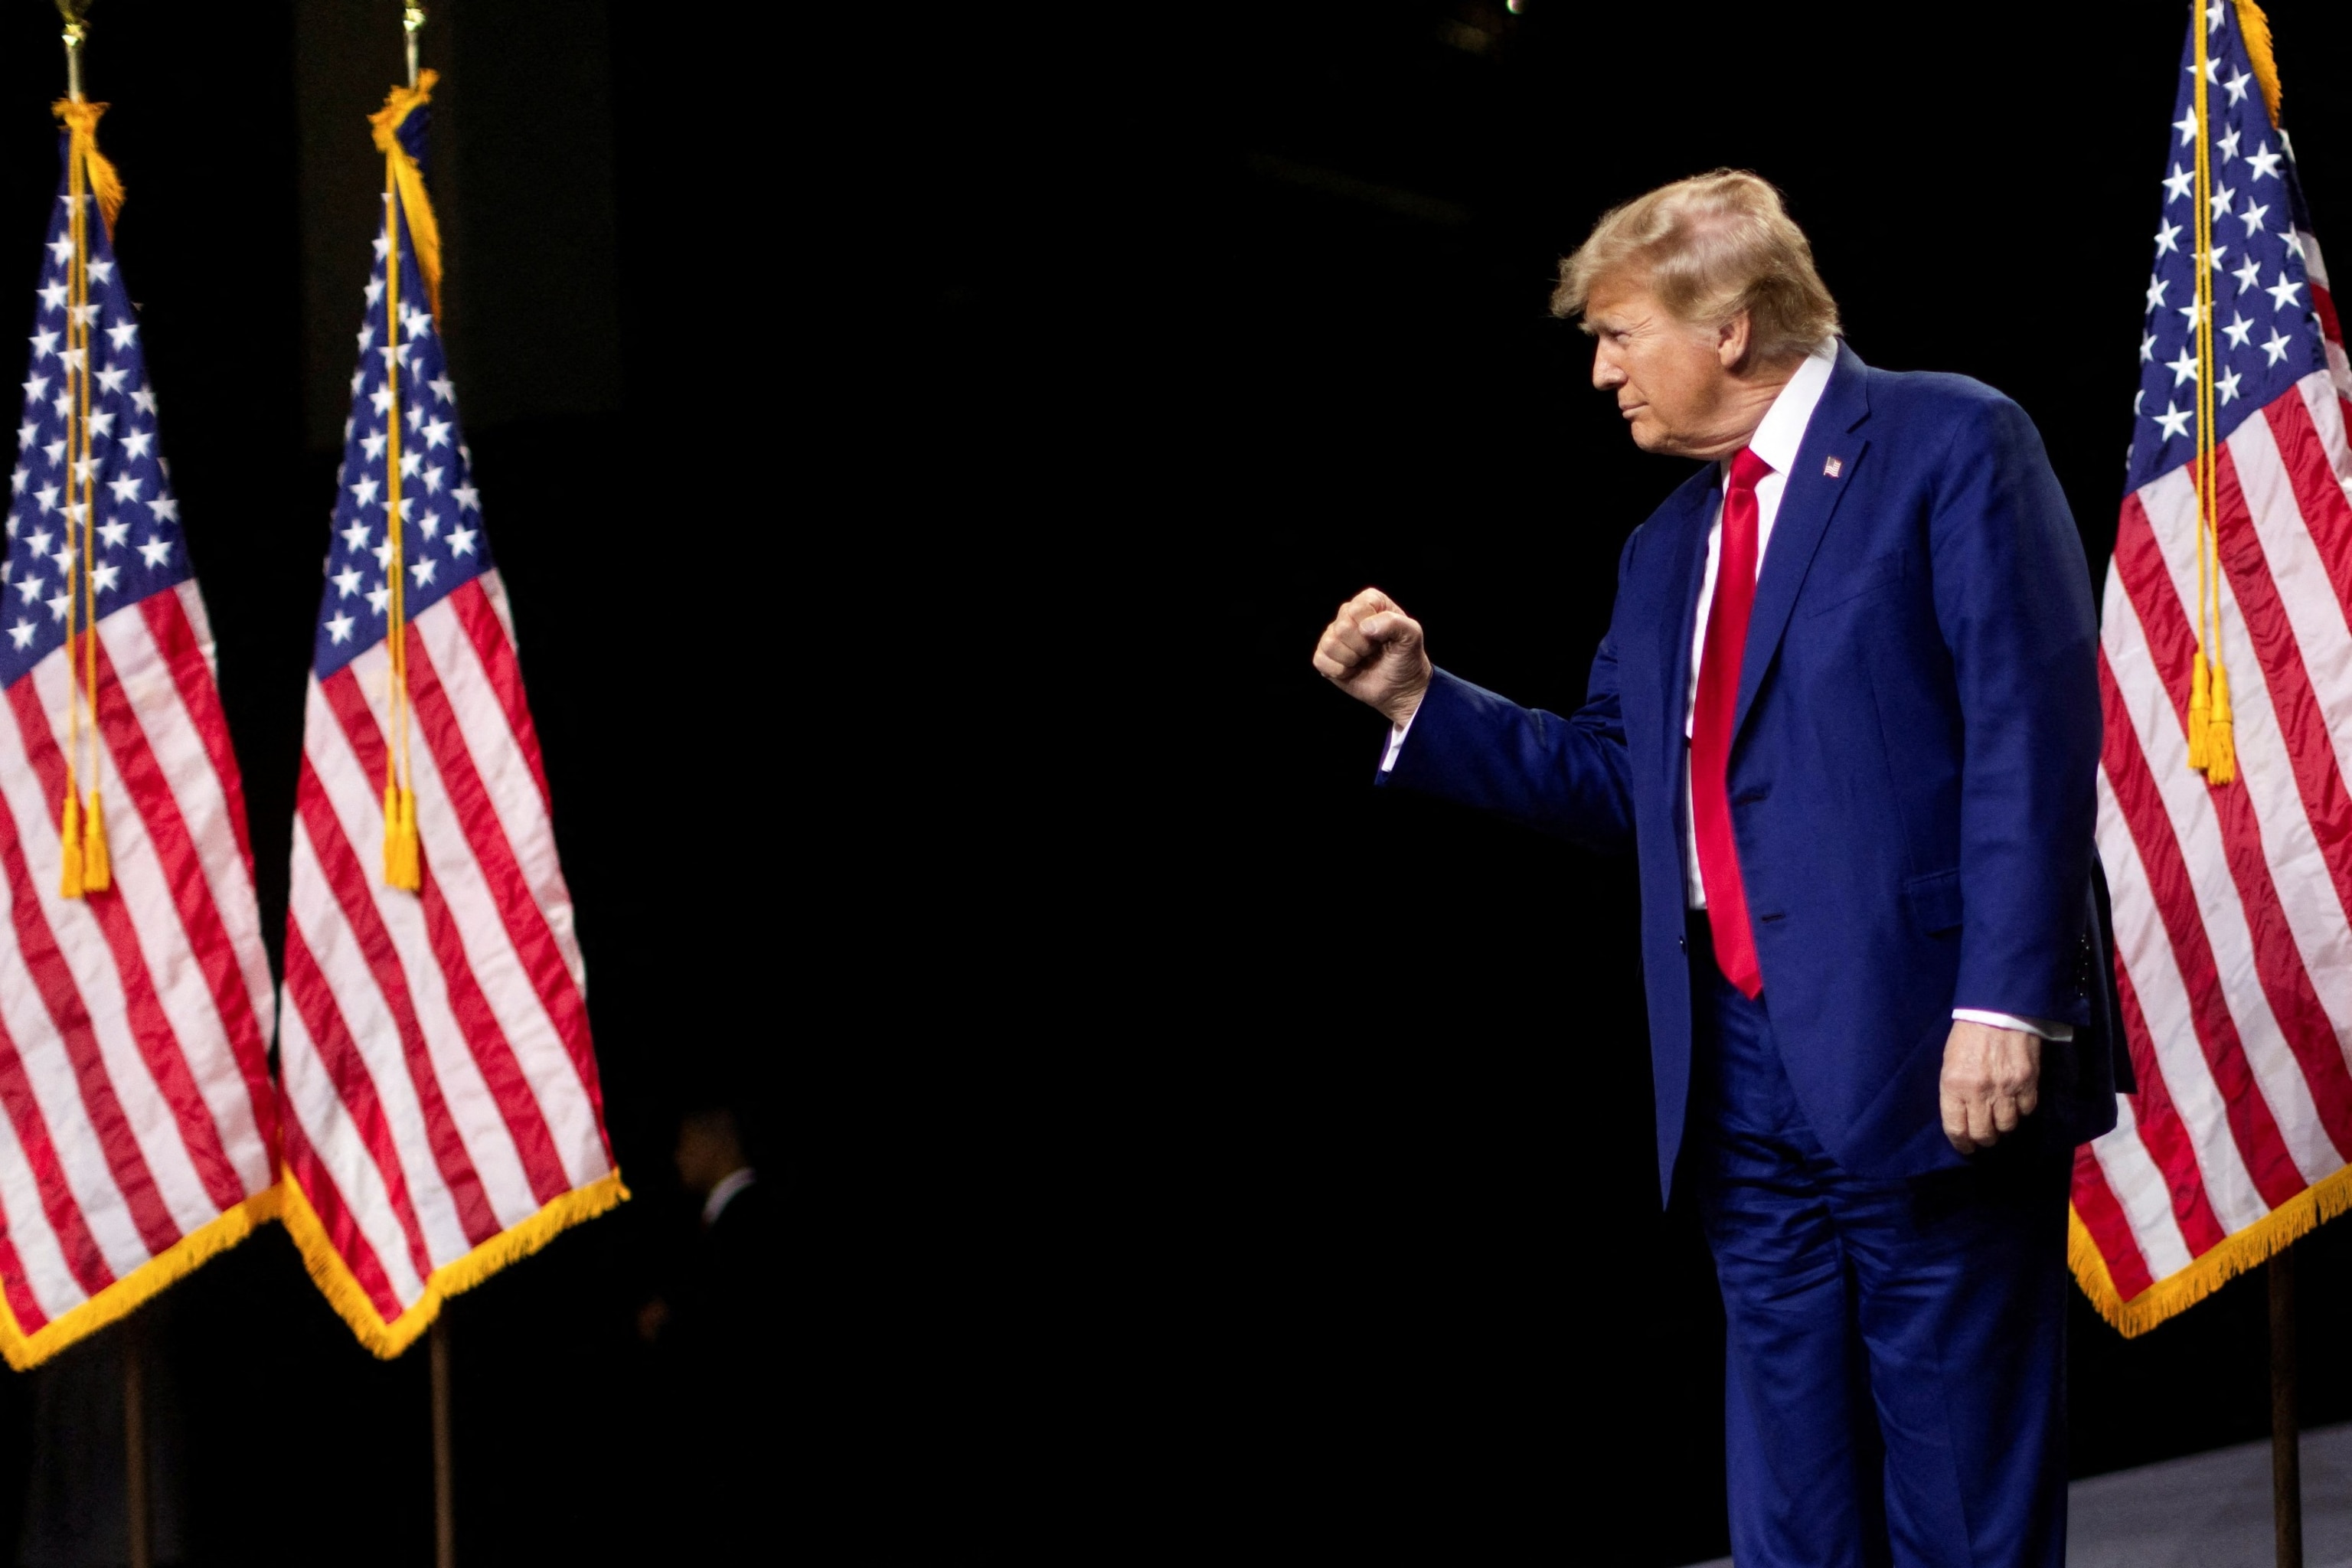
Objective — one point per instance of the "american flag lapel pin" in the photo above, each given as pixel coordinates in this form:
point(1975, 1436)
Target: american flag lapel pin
point(1835, 467)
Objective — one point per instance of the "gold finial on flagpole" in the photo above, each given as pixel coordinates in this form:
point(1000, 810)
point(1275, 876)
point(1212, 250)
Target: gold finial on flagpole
point(412, 22)
point(76, 29)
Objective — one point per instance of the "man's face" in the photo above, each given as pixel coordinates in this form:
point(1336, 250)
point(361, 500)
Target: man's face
point(1673, 381)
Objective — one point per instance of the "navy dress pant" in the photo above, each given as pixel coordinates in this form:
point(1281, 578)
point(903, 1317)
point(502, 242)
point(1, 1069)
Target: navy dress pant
point(1895, 1387)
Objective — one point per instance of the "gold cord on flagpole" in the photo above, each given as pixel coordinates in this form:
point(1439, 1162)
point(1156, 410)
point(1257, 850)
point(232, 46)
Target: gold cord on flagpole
point(84, 865)
point(2213, 748)
point(71, 882)
point(97, 874)
point(2201, 685)
point(402, 866)
point(404, 205)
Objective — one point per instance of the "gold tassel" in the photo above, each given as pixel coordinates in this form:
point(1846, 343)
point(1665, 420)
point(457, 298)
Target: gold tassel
point(2255, 28)
point(2220, 742)
point(97, 865)
point(69, 840)
point(411, 851)
point(391, 834)
point(2200, 711)
point(402, 857)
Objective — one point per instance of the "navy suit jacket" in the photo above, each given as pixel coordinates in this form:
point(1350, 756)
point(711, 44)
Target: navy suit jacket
point(1912, 766)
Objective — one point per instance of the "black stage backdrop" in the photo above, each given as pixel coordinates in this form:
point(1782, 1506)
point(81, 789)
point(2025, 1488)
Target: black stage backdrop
point(587, 205)
point(1386, 1269)
point(1233, 1154)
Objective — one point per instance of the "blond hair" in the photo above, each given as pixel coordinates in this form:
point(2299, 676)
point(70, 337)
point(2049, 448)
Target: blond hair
point(1710, 246)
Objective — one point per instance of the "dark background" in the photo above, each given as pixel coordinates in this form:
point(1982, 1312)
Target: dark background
point(1204, 1147)
point(603, 325)
point(1392, 1274)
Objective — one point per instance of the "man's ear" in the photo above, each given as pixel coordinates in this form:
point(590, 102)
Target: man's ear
point(1731, 342)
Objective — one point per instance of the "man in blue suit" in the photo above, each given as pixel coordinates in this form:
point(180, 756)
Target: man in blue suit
point(1846, 718)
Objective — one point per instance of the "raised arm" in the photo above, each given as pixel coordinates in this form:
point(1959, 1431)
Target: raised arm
point(1563, 777)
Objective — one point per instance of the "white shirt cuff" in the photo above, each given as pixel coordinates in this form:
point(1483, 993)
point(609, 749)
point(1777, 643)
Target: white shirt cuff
point(2044, 1027)
point(1397, 732)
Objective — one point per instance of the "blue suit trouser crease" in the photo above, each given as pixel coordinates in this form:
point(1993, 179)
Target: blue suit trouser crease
point(1894, 1377)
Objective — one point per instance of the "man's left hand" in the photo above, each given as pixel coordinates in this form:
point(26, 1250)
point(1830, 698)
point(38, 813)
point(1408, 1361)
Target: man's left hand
point(1993, 1081)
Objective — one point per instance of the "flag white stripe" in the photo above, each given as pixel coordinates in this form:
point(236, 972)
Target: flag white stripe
point(312, 907)
point(310, 1099)
point(2141, 1190)
point(2145, 949)
point(185, 1001)
point(48, 1076)
point(2298, 867)
point(47, 1275)
point(2277, 1072)
point(506, 983)
point(186, 997)
point(520, 809)
point(358, 806)
point(203, 796)
point(82, 945)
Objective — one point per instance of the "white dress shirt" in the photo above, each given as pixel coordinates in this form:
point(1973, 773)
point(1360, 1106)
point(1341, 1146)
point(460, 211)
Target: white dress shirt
point(1778, 436)
point(722, 1194)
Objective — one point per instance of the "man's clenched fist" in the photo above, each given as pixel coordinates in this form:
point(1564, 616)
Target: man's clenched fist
point(1372, 651)
point(1991, 1081)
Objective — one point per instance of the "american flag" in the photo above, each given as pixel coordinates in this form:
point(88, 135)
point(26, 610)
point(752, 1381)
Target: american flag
point(136, 1116)
point(2232, 901)
point(441, 1104)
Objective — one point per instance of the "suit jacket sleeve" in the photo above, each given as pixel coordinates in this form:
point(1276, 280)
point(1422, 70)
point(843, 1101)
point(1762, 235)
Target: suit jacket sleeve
point(2013, 601)
point(1569, 777)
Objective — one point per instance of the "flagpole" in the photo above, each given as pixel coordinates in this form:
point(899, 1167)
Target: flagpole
point(136, 1506)
point(134, 1441)
point(2286, 1445)
point(444, 1501)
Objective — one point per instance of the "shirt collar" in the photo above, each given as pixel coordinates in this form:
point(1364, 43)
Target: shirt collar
point(724, 1193)
point(1782, 430)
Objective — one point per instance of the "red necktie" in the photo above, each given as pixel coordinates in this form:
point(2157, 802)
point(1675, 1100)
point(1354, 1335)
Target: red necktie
point(1710, 747)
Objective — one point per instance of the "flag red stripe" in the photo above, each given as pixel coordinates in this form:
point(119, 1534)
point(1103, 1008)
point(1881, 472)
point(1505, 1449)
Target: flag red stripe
point(2162, 1133)
point(90, 1269)
point(23, 1305)
point(2323, 302)
point(2301, 725)
point(208, 942)
point(331, 1041)
point(486, 1042)
point(2095, 1201)
point(525, 921)
point(349, 880)
point(150, 1030)
point(472, 606)
point(2278, 960)
point(2251, 1122)
point(492, 1052)
point(343, 1232)
point(176, 640)
point(2326, 513)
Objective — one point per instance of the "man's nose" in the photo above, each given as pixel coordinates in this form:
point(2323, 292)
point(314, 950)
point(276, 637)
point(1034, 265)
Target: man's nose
point(1606, 377)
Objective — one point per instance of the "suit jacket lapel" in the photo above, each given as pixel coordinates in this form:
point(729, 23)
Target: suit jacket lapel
point(1687, 566)
point(1808, 498)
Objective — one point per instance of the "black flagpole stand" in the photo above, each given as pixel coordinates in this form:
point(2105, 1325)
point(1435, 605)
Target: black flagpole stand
point(2286, 1451)
point(134, 1441)
point(444, 1501)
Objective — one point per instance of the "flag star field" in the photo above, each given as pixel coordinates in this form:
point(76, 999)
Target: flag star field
point(139, 547)
point(2266, 329)
point(442, 542)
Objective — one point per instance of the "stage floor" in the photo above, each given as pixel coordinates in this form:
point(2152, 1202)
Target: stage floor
point(2208, 1510)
